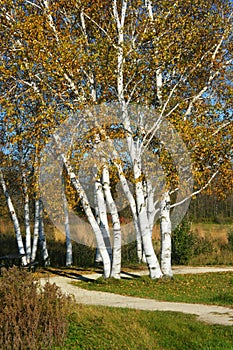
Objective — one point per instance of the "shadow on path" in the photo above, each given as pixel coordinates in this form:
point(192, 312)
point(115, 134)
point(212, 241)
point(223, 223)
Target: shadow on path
point(208, 313)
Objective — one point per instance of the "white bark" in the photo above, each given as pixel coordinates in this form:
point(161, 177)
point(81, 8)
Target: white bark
point(87, 208)
point(133, 208)
point(69, 253)
point(102, 215)
point(127, 192)
point(159, 77)
point(121, 98)
point(42, 237)
point(13, 217)
point(36, 229)
point(152, 261)
point(50, 19)
point(116, 262)
point(27, 217)
point(98, 258)
point(159, 85)
point(150, 204)
point(165, 229)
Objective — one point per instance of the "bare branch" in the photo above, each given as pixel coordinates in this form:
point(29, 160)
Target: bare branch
point(196, 192)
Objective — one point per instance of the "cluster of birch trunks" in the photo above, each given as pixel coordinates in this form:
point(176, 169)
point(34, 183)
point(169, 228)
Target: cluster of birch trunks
point(142, 196)
point(62, 57)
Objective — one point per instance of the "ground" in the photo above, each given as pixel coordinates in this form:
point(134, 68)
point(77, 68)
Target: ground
point(208, 313)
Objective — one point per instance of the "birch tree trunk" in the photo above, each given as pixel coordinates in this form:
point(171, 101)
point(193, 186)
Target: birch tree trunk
point(158, 70)
point(116, 262)
point(102, 215)
point(151, 259)
point(133, 208)
point(69, 253)
point(98, 258)
point(42, 237)
point(87, 209)
point(36, 229)
point(13, 217)
point(120, 90)
point(27, 217)
point(165, 229)
point(150, 205)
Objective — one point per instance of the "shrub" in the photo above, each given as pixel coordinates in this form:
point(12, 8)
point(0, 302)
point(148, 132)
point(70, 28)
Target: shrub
point(182, 244)
point(203, 246)
point(186, 244)
point(31, 317)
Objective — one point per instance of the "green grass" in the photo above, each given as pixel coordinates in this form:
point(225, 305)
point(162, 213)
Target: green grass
point(208, 288)
point(103, 328)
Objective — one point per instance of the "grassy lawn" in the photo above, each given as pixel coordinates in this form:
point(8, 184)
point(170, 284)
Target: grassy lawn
point(93, 328)
point(208, 288)
point(98, 327)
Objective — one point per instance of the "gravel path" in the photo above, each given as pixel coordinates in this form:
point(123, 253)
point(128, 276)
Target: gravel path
point(208, 313)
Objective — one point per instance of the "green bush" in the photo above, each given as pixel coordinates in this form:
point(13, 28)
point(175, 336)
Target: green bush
point(202, 245)
point(182, 244)
point(186, 245)
point(31, 317)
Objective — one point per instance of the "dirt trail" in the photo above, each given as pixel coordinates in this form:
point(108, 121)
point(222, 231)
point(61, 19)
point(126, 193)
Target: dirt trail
point(208, 313)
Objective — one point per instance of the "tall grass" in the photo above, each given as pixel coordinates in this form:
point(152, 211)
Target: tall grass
point(198, 244)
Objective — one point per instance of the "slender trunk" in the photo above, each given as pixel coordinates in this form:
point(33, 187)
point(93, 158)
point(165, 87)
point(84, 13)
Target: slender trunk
point(151, 259)
point(27, 217)
point(13, 217)
point(133, 208)
point(96, 229)
point(87, 209)
point(102, 216)
point(36, 229)
point(69, 252)
point(159, 85)
point(150, 205)
point(158, 71)
point(116, 262)
point(42, 237)
point(98, 258)
point(165, 229)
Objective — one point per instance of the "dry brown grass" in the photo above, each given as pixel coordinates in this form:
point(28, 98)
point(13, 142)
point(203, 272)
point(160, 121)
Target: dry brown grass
point(31, 318)
point(6, 226)
point(211, 231)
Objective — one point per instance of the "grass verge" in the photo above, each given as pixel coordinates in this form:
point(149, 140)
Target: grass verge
point(103, 328)
point(208, 288)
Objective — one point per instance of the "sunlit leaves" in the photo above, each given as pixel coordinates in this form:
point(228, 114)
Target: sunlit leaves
point(54, 55)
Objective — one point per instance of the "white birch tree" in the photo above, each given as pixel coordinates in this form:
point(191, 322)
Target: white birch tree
point(69, 254)
point(42, 237)
point(13, 217)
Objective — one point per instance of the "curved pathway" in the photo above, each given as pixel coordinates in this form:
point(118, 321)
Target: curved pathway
point(208, 313)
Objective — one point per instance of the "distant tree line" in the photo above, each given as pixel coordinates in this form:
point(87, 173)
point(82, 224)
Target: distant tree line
point(210, 208)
